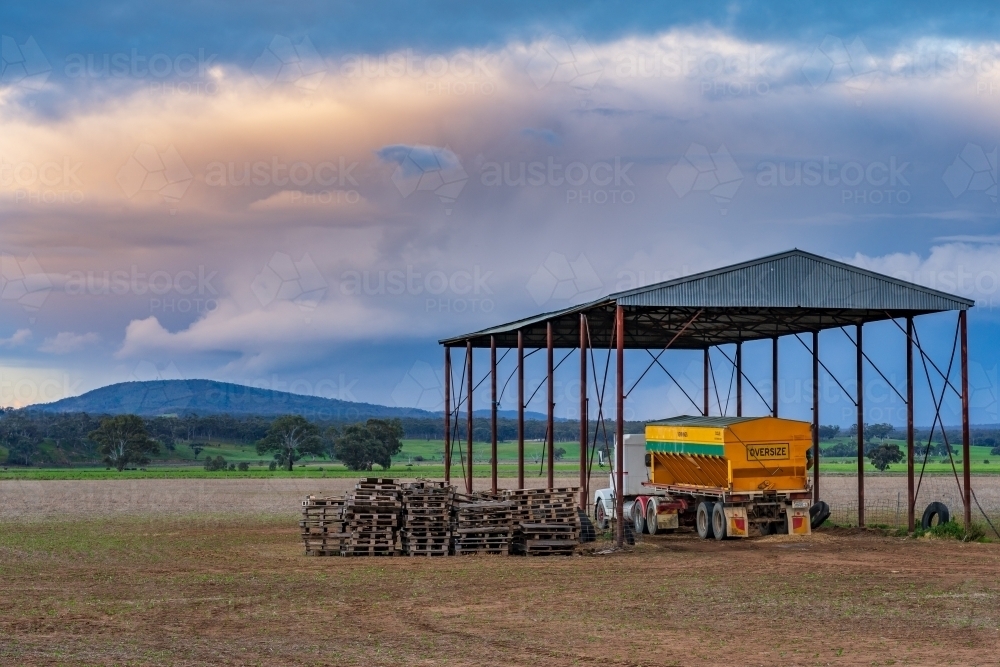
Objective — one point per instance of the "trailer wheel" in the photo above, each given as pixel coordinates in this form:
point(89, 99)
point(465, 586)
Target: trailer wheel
point(818, 513)
point(719, 521)
point(601, 516)
point(767, 528)
point(934, 511)
point(651, 526)
point(638, 518)
point(703, 520)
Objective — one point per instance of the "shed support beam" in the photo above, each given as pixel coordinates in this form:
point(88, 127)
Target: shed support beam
point(774, 376)
point(447, 415)
point(520, 409)
point(966, 471)
point(704, 383)
point(493, 413)
point(550, 406)
point(910, 516)
point(619, 426)
point(861, 426)
point(815, 411)
point(584, 415)
point(468, 425)
point(739, 378)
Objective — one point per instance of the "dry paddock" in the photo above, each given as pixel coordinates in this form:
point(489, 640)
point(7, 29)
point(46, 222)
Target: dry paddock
point(211, 572)
point(27, 500)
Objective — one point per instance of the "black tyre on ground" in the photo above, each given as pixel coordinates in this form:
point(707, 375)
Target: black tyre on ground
point(818, 513)
point(587, 532)
point(638, 518)
point(719, 523)
point(767, 529)
point(935, 514)
point(703, 520)
point(629, 534)
point(651, 526)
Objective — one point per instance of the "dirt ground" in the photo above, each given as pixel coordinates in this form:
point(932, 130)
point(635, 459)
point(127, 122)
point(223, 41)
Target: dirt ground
point(100, 498)
point(239, 591)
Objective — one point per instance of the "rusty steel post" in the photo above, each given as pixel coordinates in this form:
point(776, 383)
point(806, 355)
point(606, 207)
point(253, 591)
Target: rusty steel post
point(520, 409)
point(966, 471)
point(910, 501)
point(549, 415)
point(704, 381)
point(620, 427)
point(861, 427)
point(468, 435)
point(739, 378)
point(584, 415)
point(815, 411)
point(774, 376)
point(447, 414)
point(493, 413)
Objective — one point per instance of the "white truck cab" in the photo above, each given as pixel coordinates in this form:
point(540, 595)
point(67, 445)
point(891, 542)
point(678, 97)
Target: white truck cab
point(634, 472)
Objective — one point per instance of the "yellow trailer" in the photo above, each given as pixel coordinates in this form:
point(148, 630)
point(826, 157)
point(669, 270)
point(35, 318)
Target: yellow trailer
point(731, 476)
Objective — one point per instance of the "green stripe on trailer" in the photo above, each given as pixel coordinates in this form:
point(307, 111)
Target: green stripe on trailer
point(675, 447)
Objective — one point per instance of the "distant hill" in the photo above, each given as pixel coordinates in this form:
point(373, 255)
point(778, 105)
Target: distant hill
point(208, 397)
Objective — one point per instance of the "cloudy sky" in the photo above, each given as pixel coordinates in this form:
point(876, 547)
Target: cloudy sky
point(307, 199)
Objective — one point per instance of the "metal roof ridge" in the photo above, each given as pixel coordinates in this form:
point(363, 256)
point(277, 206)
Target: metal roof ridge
point(794, 252)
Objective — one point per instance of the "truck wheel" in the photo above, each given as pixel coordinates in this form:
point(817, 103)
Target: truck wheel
point(818, 513)
point(703, 520)
point(766, 529)
point(601, 516)
point(719, 522)
point(638, 518)
point(934, 511)
point(651, 526)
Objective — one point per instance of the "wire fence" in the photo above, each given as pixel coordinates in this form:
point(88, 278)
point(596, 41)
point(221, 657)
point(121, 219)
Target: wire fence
point(892, 513)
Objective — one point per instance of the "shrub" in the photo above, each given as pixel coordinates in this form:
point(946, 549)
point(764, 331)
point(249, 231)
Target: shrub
point(243, 466)
point(955, 531)
point(272, 466)
point(213, 465)
point(418, 458)
point(232, 466)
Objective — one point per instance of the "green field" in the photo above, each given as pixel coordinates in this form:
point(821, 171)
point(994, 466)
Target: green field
point(418, 458)
point(181, 463)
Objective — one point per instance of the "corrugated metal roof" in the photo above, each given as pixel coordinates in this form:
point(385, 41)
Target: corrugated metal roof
point(793, 279)
point(790, 292)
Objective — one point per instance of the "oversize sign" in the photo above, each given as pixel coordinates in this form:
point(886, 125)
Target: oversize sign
point(772, 452)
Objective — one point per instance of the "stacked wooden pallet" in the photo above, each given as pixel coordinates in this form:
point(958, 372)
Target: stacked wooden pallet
point(322, 525)
point(484, 527)
point(547, 522)
point(426, 528)
point(371, 515)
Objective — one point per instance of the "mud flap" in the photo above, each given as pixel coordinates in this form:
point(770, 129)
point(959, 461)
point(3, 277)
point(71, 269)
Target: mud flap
point(667, 519)
point(736, 520)
point(798, 520)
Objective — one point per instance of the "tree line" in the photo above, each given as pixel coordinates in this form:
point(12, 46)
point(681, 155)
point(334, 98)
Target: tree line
point(24, 431)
